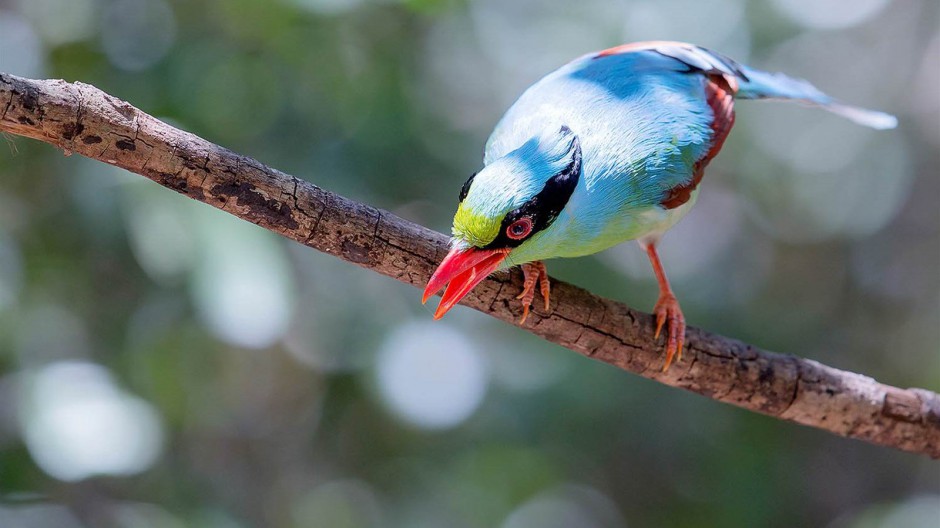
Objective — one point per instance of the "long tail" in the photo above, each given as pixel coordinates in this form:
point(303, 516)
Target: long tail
point(751, 83)
point(757, 84)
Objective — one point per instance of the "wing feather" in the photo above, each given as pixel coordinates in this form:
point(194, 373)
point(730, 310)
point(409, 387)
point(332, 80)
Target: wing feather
point(722, 76)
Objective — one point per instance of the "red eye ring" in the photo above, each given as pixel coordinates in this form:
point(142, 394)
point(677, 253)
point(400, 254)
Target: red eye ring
point(519, 229)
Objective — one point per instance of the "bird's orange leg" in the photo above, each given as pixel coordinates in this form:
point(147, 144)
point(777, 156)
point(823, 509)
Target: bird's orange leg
point(667, 311)
point(533, 272)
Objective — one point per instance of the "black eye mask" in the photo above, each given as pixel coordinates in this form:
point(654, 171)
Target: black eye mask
point(544, 207)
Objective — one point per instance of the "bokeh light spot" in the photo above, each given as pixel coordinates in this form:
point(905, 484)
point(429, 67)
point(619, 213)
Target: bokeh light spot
point(242, 284)
point(77, 423)
point(431, 375)
point(160, 238)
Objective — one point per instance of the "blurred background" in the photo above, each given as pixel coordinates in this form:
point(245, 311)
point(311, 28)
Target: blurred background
point(165, 365)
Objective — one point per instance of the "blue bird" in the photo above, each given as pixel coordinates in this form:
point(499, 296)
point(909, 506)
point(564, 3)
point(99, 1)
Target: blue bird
point(610, 147)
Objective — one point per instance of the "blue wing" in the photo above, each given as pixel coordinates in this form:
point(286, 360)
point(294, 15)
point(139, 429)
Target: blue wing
point(642, 114)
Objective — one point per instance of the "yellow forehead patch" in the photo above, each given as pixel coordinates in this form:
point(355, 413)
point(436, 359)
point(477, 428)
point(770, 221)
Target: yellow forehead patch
point(477, 229)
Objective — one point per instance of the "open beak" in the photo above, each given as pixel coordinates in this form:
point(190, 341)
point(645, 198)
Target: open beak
point(461, 270)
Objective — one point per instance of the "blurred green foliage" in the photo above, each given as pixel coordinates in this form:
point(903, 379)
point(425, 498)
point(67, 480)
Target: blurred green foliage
point(164, 365)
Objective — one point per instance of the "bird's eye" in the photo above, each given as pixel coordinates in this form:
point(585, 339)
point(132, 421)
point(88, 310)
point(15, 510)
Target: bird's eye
point(466, 188)
point(520, 228)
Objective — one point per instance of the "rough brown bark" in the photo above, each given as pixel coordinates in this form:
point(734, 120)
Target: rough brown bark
point(82, 119)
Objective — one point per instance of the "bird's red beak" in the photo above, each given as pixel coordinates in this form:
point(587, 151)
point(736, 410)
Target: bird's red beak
point(462, 269)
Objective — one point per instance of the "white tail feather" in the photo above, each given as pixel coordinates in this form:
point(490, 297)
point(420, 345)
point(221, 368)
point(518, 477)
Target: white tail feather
point(862, 116)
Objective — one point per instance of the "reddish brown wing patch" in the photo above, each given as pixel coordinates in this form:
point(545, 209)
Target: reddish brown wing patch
point(719, 95)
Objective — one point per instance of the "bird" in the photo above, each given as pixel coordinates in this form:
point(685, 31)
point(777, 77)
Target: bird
point(610, 147)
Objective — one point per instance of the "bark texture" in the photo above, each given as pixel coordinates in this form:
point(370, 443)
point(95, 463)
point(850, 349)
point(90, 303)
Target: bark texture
point(79, 118)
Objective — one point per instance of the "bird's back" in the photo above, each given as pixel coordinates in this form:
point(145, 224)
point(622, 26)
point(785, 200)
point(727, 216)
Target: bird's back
point(643, 123)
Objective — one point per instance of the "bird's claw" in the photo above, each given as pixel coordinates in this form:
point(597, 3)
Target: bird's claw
point(533, 272)
point(670, 315)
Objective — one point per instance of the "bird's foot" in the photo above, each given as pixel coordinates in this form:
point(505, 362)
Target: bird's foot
point(534, 272)
point(670, 315)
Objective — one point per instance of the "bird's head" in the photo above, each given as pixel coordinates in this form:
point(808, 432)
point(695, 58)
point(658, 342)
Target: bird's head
point(505, 207)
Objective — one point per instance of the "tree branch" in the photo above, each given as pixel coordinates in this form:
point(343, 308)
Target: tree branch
point(80, 118)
